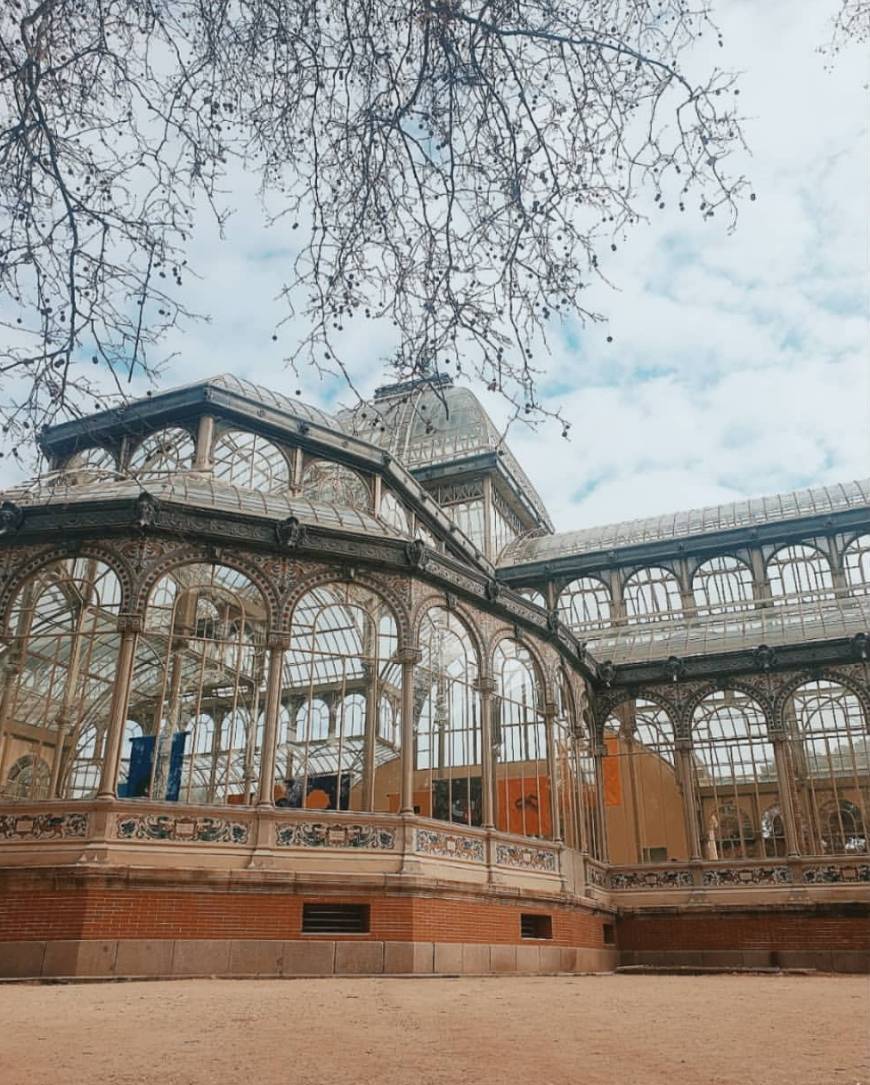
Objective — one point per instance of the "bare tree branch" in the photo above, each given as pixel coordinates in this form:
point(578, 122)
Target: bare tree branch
point(453, 168)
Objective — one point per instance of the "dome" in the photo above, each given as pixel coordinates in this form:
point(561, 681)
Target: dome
point(429, 423)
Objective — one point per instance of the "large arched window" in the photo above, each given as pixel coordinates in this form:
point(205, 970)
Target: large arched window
point(522, 773)
point(799, 573)
point(198, 688)
point(447, 731)
point(585, 604)
point(856, 565)
point(162, 453)
point(644, 807)
point(334, 484)
point(652, 595)
point(64, 641)
point(722, 584)
point(340, 664)
point(735, 773)
point(250, 461)
point(831, 752)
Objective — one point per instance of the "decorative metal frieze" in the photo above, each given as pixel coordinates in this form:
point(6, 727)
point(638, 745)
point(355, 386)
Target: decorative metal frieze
point(310, 834)
point(724, 877)
point(201, 830)
point(650, 879)
point(449, 845)
point(527, 858)
point(831, 873)
point(43, 826)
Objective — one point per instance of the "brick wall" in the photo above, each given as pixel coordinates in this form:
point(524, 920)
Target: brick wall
point(821, 927)
point(83, 911)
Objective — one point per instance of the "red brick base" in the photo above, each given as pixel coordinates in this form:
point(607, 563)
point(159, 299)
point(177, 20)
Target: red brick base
point(832, 937)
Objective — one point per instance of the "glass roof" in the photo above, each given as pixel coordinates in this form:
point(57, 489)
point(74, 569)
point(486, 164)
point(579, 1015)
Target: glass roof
point(197, 491)
point(796, 624)
point(677, 525)
point(269, 398)
point(424, 425)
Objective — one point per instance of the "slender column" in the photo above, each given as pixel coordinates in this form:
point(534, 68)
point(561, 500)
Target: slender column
point(617, 603)
point(370, 737)
point(129, 627)
point(549, 723)
point(486, 687)
point(11, 669)
point(204, 440)
point(577, 739)
point(601, 810)
point(277, 645)
point(786, 794)
point(62, 732)
point(488, 510)
point(685, 780)
point(408, 658)
point(760, 583)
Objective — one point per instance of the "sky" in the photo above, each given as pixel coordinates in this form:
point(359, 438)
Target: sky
point(740, 363)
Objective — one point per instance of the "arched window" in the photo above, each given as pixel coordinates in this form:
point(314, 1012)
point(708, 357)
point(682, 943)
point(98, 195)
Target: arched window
point(162, 453)
point(28, 778)
point(340, 663)
point(447, 755)
point(64, 631)
point(522, 773)
point(652, 595)
point(831, 751)
point(585, 604)
point(773, 832)
point(250, 461)
point(199, 669)
point(334, 484)
point(722, 584)
point(730, 833)
point(799, 573)
point(842, 827)
point(392, 512)
point(90, 462)
point(312, 722)
point(354, 715)
point(645, 815)
point(735, 769)
point(856, 565)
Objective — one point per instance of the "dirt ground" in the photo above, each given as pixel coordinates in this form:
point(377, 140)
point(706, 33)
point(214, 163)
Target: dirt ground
point(586, 1030)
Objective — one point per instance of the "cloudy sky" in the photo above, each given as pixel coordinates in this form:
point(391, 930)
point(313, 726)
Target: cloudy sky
point(739, 363)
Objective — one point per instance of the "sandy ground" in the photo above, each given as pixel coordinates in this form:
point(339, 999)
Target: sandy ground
point(618, 1030)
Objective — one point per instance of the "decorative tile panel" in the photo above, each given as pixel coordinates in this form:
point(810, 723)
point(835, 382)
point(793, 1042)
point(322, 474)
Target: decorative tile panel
point(650, 879)
point(830, 873)
point(596, 875)
point(450, 845)
point(43, 826)
point(527, 858)
point(202, 830)
point(310, 834)
point(723, 877)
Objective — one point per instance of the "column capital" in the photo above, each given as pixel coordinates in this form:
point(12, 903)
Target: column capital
point(410, 656)
point(278, 641)
point(485, 685)
point(600, 750)
point(683, 745)
point(130, 624)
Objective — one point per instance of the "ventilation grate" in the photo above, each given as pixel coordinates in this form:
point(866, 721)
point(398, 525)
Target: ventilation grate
point(335, 918)
point(536, 926)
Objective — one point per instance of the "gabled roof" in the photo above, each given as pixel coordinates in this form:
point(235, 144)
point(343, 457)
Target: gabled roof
point(678, 525)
